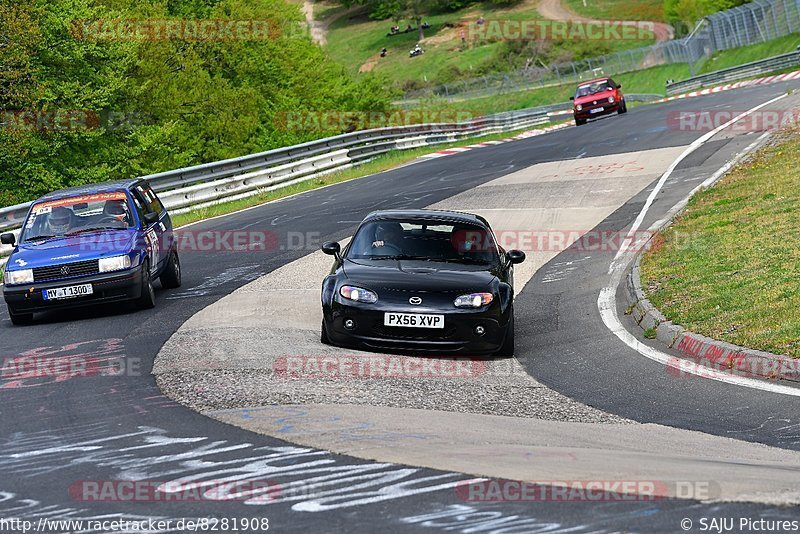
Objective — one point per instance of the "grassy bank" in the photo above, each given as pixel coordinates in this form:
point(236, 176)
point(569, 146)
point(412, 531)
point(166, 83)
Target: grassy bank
point(619, 9)
point(729, 267)
point(652, 80)
point(356, 42)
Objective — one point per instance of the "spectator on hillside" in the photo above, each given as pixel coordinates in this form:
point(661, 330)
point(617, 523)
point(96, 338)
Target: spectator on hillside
point(480, 21)
point(384, 52)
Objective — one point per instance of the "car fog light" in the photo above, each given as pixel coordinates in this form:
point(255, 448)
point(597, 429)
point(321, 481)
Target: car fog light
point(349, 324)
point(479, 330)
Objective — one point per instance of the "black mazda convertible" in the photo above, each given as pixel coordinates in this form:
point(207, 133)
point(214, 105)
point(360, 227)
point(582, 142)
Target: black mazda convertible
point(421, 280)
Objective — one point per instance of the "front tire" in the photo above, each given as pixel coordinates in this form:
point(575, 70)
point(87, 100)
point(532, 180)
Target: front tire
point(147, 300)
point(580, 122)
point(171, 277)
point(19, 319)
point(623, 108)
point(507, 349)
point(323, 336)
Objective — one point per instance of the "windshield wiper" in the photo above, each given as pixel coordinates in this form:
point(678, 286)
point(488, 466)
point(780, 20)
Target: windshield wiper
point(471, 261)
point(93, 229)
point(41, 237)
point(401, 257)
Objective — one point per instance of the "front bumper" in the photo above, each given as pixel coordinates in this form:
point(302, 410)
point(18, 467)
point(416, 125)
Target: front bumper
point(106, 287)
point(585, 114)
point(457, 336)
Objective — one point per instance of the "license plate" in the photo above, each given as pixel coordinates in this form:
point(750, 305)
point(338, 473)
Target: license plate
point(413, 320)
point(596, 110)
point(67, 292)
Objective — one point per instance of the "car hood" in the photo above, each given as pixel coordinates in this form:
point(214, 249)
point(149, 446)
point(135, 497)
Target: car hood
point(32, 254)
point(596, 96)
point(418, 275)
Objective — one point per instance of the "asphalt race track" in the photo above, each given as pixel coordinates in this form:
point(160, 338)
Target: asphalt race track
point(60, 431)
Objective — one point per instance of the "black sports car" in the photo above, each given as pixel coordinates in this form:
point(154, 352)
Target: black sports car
point(421, 280)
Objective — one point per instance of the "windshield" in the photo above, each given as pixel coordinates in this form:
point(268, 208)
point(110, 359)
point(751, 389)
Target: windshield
point(428, 240)
point(592, 88)
point(78, 214)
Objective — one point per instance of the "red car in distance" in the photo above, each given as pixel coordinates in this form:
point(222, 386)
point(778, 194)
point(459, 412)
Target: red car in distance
point(595, 98)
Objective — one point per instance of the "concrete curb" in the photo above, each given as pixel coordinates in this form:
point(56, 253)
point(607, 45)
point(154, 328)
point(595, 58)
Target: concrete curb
point(719, 355)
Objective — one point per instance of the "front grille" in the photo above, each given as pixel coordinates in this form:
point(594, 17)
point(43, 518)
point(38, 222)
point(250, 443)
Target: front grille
point(398, 332)
point(54, 272)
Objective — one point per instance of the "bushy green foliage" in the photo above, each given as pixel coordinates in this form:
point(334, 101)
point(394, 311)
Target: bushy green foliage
point(181, 102)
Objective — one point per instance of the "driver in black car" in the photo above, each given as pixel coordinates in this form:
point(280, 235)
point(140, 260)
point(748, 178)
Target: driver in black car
point(388, 238)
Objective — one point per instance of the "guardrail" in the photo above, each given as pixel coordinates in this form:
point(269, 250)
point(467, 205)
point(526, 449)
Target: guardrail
point(739, 72)
point(221, 181)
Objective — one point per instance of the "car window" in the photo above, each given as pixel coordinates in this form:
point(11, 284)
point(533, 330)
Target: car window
point(78, 214)
point(592, 88)
point(424, 240)
point(149, 199)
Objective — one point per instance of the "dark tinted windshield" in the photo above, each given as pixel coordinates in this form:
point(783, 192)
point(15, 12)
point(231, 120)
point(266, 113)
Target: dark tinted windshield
point(424, 240)
point(78, 214)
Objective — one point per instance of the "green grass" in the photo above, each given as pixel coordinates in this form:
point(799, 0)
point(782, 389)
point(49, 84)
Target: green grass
point(619, 9)
point(652, 80)
point(729, 267)
point(382, 163)
point(746, 54)
point(354, 42)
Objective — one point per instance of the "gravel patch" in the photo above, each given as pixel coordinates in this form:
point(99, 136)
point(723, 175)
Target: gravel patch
point(503, 389)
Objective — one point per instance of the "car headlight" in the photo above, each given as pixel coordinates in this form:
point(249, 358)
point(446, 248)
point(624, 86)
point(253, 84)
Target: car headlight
point(611, 100)
point(474, 300)
point(114, 263)
point(358, 294)
point(578, 107)
point(22, 276)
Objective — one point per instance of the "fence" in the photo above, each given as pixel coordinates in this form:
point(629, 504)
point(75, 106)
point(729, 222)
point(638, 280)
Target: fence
point(756, 22)
point(740, 72)
point(202, 185)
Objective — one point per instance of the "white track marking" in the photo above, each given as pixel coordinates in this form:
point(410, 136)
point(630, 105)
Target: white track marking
point(691, 148)
point(606, 303)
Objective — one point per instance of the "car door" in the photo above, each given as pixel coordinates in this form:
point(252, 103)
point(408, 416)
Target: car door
point(157, 230)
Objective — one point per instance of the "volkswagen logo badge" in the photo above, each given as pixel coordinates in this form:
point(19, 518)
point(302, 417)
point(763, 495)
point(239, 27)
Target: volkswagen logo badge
point(65, 270)
point(416, 301)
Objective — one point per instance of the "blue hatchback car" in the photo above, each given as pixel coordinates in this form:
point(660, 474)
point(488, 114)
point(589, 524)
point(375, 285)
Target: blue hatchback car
point(88, 245)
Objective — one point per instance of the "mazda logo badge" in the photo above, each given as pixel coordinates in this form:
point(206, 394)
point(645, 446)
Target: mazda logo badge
point(65, 270)
point(415, 301)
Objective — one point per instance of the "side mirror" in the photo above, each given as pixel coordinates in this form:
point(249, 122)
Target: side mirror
point(332, 248)
point(515, 256)
point(572, 98)
point(8, 239)
point(619, 86)
point(150, 218)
